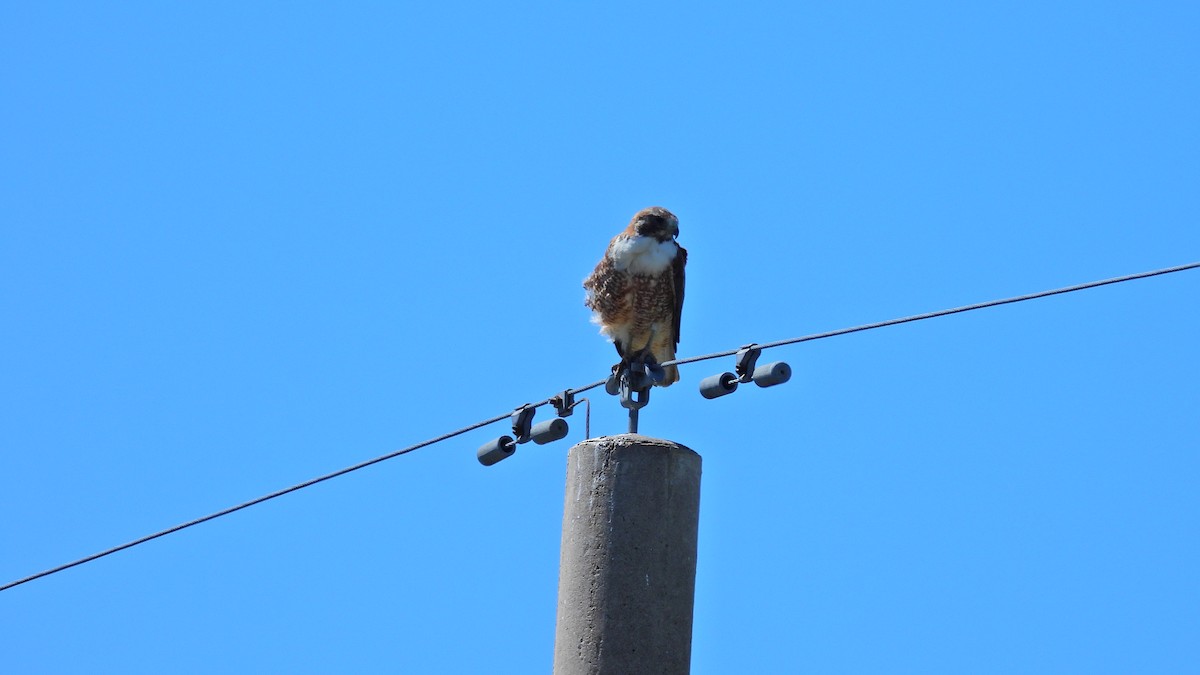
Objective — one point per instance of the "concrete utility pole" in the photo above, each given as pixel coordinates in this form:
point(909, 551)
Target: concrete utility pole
point(627, 577)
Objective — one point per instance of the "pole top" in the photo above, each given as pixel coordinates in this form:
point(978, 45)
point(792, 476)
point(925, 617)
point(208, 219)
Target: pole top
point(622, 441)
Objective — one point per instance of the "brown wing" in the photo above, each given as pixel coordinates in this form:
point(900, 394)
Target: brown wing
point(677, 266)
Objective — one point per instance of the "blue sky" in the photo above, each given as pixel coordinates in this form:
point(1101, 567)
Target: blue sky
point(246, 244)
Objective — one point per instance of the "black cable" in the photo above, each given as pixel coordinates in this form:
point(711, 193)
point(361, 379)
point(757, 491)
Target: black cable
point(252, 502)
point(492, 420)
point(944, 312)
point(280, 493)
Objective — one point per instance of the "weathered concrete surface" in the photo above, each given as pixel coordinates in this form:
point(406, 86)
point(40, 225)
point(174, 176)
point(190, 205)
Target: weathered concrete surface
point(627, 576)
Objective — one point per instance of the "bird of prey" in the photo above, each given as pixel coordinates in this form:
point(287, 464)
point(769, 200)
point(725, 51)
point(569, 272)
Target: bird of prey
point(636, 291)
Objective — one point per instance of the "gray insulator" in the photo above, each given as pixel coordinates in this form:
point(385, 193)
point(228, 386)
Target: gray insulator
point(718, 385)
point(772, 374)
point(496, 450)
point(613, 385)
point(548, 431)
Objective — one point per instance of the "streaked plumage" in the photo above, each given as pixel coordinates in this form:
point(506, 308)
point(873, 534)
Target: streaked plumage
point(636, 290)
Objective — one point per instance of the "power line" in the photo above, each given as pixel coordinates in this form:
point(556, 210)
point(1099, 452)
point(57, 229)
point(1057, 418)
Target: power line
point(579, 390)
point(943, 312)
point(253, 502)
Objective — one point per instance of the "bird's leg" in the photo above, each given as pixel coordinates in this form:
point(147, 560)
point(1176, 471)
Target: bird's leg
point(645, 358)
point(620, 371)
point(622, 366)
point(624, 373)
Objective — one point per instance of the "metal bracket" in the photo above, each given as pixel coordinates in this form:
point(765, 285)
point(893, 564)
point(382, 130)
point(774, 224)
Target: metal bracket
point(634, 399)
point(635, 387)
point(522, 420)
point(746, 358)
point(564, 403)
point(635, 392)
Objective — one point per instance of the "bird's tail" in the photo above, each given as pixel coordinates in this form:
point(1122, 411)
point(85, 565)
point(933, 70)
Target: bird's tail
point(670, 374)
point(663, 351)
point(662, 348)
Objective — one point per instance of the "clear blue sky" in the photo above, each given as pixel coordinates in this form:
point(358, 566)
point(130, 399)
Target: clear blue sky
point(245, 244)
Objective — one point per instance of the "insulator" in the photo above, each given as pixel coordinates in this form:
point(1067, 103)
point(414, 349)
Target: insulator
point(613, 384)
point(549, 431)
point(718, 385)
point(494, 451)
point(772, 374)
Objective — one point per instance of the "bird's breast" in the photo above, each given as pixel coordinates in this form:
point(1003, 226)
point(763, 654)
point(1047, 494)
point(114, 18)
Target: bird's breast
point(642, 255)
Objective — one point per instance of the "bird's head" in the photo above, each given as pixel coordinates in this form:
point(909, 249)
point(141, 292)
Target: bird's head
point(655, 222)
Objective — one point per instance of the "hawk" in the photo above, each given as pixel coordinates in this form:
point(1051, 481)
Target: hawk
point(636, 291)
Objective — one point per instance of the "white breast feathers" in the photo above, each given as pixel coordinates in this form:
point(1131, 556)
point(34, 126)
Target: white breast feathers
point(642, 255)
